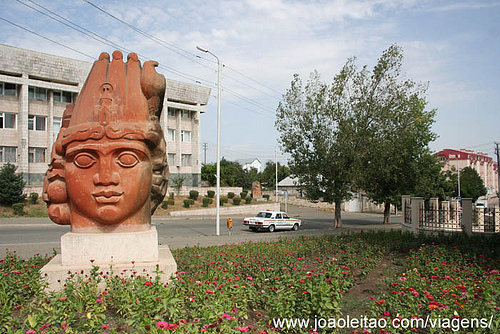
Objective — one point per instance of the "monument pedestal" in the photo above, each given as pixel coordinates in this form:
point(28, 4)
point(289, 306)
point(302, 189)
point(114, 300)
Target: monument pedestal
point(124, 254)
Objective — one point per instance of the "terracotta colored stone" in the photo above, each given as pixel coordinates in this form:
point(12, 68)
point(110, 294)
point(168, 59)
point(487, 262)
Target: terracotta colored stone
point(256, 190)
point(108, 169)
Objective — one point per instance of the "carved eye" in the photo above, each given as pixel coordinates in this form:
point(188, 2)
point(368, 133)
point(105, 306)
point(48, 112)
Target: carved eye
point(127, 159)
point(84, 160)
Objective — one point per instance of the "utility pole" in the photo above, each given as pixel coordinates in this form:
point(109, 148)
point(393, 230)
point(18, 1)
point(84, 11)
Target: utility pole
point(497, 152)
point(276, 161)
point(205, 147)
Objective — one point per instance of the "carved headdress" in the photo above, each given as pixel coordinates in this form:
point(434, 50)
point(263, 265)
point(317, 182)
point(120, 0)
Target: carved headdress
point(119, 101)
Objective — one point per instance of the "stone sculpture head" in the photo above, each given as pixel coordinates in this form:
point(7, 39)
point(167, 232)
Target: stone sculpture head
point(108, 169)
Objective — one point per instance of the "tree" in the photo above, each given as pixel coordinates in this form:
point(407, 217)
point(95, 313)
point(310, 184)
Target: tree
point(11, 185)
point(367, 130)
point(268, 175)
point(398, 157)
point(209, 173)
point(471, 184)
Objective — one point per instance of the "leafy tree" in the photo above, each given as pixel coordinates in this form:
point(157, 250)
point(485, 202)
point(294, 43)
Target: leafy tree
point(268, 175)
point(367, 130)
point(11, 185)
point(471, 184)
point(208, 173)
point(398, 157)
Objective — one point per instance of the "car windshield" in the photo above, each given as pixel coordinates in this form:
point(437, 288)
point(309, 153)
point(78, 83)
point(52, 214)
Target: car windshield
point(264, 215)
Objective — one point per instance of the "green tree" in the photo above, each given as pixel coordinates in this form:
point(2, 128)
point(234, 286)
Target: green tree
point(397, 159)
point(268, 175)
point(208, 173)
point(471, 184)
point(11, 185)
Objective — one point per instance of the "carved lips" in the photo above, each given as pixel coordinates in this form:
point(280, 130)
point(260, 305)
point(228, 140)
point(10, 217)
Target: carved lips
point(107, 196)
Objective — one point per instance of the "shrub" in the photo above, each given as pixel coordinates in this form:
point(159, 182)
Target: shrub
point(266, 197)
point(221, 201)
point(33, 198)
point(236, 201)
point(193, 194)
point(248, 200)
point(243, 194)
point(206, 201)
point(210, 194)
point(171, 195)
point(171, 201)
point(164, 205)
point(18, 209)
point(186, 203)
point(230, 195)
point(11, 185)
point(191, 201)
point(225, 199)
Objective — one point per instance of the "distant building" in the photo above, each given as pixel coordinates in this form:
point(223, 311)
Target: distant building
point(480, 162)
point(34, 91)
point(248, 164)
point(290, 185)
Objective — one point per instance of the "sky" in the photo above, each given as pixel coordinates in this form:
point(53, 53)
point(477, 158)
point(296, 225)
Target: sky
point(452, 45)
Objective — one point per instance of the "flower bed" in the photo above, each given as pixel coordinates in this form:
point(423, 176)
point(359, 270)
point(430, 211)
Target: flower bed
point(241, 288)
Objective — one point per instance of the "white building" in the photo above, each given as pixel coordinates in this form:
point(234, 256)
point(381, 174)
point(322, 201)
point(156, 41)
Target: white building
point(248, 164)
point(34, 91)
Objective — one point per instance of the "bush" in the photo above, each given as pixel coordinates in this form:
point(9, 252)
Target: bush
point(18, 209)
point(221, 201)
point(191, 201)
point(171, 195)
point(230, 195)
point(266, 197)
point(33, 198)
point(164, 205)
point(225, 199)
point(210, 194)
point(193, 194)
point(11, 185)
point(243, 194)
point(171, 201)
point(206, 201)
point(236, 201)
point(248, 200)
point(186, 203)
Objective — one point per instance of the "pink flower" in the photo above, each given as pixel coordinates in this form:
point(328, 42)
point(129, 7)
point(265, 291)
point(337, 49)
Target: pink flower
point(243, 329)
point(30, 331)
point(162, 324)
point(99, 300)
point(387, 313)
point(62, 299)
point(191, 299)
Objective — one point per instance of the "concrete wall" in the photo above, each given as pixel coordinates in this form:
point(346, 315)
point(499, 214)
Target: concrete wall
point(229, 210)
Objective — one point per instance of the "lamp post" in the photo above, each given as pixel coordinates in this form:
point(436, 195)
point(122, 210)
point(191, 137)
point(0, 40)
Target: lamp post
point(219, 73)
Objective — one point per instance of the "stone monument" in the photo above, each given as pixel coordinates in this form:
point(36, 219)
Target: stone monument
point(108, 173)
point(256, 190)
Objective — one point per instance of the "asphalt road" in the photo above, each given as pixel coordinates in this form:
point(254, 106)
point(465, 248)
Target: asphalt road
point(39, 235)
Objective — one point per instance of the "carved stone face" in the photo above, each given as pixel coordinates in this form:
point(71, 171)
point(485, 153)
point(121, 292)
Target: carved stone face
point(108, 183)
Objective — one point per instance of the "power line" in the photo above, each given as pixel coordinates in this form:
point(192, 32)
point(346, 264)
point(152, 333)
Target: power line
point(46, 38)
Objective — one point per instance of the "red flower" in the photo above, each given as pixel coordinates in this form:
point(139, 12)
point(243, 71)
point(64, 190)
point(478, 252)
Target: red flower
point(148, 283)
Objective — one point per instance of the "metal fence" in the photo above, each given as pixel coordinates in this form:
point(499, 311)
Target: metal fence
point(440, 219)
point(486, 220)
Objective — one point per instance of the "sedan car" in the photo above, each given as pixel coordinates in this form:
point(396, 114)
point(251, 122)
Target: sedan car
point(271, 221)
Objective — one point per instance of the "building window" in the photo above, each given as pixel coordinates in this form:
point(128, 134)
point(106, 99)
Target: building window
point(36, 154)
point(186, 114)
point(8, 154)
point(7, 120)
point(185, 159)
point(9, 89)
point(62, 96)
point(186, 136)
point(171, 112)
point(171, 159)
point(37, 93)
point(56, 124)
point(171, 135)
point(37, 123)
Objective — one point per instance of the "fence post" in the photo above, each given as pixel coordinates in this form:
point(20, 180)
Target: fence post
point(467, 215)
point(434, 207)
point(405, 199)
point(416, 213)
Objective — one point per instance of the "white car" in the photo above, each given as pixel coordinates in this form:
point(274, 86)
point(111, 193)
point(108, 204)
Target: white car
point(272, 220)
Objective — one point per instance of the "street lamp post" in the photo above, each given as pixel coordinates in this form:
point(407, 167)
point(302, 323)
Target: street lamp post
point(219, 74)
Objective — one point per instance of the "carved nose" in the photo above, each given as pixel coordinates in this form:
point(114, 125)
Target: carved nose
point(106, 176)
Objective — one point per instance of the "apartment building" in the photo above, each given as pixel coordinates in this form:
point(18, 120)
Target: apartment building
point(480, 162)
point(34, 91)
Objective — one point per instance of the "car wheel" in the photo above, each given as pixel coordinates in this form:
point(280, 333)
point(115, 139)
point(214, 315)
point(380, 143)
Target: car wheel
point(253, 229)
point(295, 227)
point(271, 228)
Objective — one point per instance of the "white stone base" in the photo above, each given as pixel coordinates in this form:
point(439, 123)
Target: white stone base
point(108, 248)
point(56, 274)
point(128, 254)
